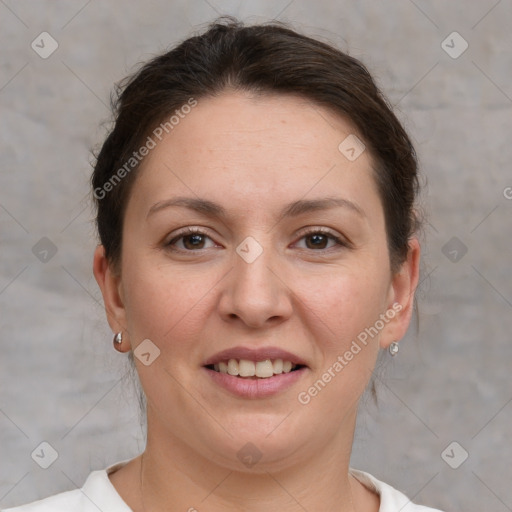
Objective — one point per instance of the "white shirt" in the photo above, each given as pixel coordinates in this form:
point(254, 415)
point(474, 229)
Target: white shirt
point(98, 493)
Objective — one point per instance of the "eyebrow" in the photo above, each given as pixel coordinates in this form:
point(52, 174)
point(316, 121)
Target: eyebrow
point(299, 207)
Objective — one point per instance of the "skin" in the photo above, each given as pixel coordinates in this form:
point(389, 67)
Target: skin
point(252, 155)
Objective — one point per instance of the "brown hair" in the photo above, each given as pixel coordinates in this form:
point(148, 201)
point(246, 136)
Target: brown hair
point(269, 58)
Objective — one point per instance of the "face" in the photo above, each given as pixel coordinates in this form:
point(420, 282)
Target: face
point(288, 259)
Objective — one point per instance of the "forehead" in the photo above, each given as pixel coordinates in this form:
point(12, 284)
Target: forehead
point(244, 149)
point(271, 126)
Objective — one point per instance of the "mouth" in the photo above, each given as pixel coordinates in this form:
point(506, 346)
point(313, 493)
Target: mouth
point(247, 369)
point(255, 373)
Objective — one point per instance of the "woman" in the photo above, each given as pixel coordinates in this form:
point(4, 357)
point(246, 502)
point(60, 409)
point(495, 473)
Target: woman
point(255, 207)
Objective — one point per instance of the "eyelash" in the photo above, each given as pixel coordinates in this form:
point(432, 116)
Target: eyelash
point(197, 231)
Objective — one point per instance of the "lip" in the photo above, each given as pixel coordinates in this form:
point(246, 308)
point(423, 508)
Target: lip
point(255, 388)
point(254, 354)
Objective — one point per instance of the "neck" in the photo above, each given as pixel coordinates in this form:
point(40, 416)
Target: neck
point(175, 477)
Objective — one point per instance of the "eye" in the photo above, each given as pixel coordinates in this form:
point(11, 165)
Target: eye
point(188, 240)
point(320, 238)
point(193, 239)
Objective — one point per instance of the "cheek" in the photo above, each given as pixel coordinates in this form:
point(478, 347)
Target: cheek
point(336, 304)
point(343, 302)
point(341, 314)
point(162, 304)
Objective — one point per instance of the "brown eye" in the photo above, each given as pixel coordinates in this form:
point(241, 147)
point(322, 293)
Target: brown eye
point(189, 240)
point(193, 241)
point(319, 240)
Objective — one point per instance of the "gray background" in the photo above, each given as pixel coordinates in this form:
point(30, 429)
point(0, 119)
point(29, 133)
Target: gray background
point(61, 381)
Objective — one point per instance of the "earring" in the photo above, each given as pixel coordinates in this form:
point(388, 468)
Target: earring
point(394, 348)
point(118, 340)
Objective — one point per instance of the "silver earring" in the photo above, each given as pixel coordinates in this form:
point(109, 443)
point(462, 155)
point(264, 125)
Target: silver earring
point(118, 339)
point(394, 348)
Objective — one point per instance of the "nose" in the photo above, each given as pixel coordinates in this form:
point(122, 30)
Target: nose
point(256, 293)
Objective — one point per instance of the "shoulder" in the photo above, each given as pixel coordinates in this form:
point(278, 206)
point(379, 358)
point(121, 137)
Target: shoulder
point(97, 493)
point(71, 500)
point(391, 499)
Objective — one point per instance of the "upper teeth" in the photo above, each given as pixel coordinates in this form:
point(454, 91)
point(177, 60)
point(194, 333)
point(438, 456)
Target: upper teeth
point(246, 368)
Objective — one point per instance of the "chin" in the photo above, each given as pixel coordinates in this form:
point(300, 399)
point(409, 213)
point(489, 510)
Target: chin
point(256, 448)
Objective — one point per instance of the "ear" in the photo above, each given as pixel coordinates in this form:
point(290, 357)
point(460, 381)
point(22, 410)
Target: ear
point(401, 296)
point(112, 291)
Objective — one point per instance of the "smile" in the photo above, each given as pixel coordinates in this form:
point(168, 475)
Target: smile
point(254, 387)
point(245, 368)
